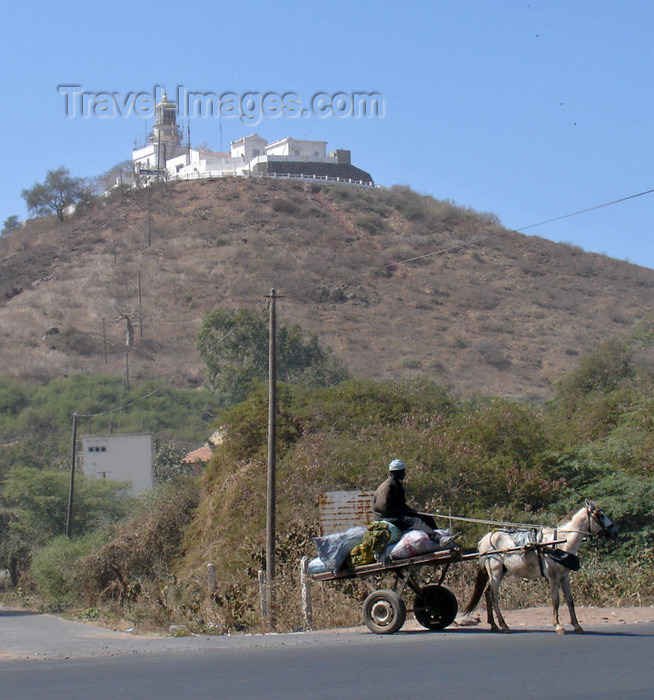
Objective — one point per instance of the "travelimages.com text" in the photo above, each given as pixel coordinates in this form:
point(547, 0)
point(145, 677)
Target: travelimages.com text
point(249, 107)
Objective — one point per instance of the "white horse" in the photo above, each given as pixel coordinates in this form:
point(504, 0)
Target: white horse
point(534, 561)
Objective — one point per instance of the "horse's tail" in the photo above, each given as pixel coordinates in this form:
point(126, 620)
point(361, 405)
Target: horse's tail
point(480, 586)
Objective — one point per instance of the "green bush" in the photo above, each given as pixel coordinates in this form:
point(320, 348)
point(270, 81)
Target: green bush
point(36, 422)
point(55, 567)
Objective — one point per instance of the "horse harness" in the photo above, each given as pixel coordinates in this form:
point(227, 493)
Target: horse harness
point(560, 556)
point(533, 536)
point(530, 537)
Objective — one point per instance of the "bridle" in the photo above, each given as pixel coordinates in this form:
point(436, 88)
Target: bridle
point(593, 513)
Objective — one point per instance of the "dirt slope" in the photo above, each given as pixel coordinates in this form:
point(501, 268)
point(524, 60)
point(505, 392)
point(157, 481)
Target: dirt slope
point(507, 315)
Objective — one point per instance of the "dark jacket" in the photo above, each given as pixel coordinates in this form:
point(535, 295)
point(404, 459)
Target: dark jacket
point(390, 501)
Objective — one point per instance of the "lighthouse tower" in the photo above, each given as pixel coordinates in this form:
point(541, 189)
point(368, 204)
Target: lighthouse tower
point(165, 140)
point(165, 134)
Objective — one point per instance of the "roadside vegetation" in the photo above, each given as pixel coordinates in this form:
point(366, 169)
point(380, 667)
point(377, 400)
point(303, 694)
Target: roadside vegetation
point(485, 457)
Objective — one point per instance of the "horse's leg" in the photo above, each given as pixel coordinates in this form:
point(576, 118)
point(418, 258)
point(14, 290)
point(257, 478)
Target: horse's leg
point(490, 579)
point(567, 593)
point(554, 588)
point(489, 610)
point(495, 576)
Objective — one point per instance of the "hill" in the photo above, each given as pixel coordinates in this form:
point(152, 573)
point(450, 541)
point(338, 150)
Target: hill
point(505, 316)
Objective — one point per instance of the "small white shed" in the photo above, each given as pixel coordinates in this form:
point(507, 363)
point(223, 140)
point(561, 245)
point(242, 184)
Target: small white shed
point(119, 458)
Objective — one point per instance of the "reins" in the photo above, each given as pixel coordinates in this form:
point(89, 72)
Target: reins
point(518, 526)
point(502, 523)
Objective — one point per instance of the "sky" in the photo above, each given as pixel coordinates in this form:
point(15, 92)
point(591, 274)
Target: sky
point(531, 110)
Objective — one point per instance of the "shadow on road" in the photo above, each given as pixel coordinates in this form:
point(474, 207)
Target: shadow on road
point(588, 633)
point(5, 612)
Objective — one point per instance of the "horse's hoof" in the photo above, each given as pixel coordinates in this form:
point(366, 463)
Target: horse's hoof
point(505, 630)
point(578, 630)
point(560, 630)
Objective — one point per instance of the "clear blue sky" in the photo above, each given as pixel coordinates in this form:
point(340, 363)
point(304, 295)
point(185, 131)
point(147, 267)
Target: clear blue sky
point(529, 109)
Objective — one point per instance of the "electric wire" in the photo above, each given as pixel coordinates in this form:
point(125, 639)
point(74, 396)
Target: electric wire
point(584, 211)
point(163, 384)
point(131, 403)
point(483, 239)
point(440, 251)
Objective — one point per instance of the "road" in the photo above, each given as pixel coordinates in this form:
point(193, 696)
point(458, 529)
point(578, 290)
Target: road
point(44, 656)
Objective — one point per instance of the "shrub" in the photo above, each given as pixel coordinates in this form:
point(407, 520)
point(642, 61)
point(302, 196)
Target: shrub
point(371, 223)
point(283, 206)
point(142, 549)
point(55, 567)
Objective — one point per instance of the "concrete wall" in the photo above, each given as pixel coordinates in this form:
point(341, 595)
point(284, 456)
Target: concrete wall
point(248, 147)
point(294, 148)
point(119, 458)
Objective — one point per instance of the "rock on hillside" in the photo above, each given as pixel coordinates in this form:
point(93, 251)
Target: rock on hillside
point(507, 315)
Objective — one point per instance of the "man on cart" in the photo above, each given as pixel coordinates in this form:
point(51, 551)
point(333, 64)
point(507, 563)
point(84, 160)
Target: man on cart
point(390, 504)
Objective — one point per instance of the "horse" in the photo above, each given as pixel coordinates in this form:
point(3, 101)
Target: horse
point(504, 551)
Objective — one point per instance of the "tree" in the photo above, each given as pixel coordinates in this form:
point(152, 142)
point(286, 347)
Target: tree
point(168, 463)
point(234, 346)
point(33, 508)
point(119, 174)
point(608, 364)
point(11, 223)
point(56, 193)
point(14, 549)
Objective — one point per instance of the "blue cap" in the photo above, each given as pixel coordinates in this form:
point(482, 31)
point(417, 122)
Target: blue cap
point(397, 465)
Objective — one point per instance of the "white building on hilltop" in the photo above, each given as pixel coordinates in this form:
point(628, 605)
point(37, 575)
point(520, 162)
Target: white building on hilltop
point(168, 158)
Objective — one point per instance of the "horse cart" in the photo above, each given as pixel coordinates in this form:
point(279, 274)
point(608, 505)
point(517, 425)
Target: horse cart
point(434, 606)
point(384, 611)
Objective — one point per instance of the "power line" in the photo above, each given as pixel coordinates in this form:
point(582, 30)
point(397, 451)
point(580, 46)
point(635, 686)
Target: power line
point(483, 239)
point(131, 403)
point(583, 211)
point(147, 396)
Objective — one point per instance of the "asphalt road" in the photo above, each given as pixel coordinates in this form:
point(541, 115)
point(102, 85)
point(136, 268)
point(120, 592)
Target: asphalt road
point(45, 657)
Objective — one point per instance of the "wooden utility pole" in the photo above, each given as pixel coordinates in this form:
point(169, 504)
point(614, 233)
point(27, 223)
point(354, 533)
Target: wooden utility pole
point(104, 341)
point(272, 457)
point(140, 307)
point(149, 219)
point(71, 488)
point(129, 343)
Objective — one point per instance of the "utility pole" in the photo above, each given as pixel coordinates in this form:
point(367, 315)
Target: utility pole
point(140, 307)
point(272, 458)
point(149, 220)
point(71, 488)
point(104, 341)
point(129, 343)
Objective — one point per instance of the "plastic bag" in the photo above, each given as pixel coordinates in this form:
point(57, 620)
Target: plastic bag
point(413, 543)
point(316, 566)
point(333, 549)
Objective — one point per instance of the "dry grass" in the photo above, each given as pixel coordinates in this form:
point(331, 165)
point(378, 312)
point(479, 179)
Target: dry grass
point(505, 317)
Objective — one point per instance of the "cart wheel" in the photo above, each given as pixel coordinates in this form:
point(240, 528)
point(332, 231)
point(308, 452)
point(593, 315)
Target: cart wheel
point(384, 612)
point(435, 607)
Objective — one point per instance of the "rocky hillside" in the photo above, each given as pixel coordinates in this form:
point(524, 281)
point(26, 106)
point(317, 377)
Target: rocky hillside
point(507, 315)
